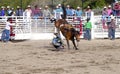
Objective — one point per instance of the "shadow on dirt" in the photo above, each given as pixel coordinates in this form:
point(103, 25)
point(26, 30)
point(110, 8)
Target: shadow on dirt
point(17, 41)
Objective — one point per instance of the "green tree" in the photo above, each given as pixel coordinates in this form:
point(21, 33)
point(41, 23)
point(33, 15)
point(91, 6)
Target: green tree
point(14, 3)
point(73, 3)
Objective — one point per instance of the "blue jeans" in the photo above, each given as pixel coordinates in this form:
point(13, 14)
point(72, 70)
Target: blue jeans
point(88, 34)
point(36, 16)
point(5, 35)
point(112, 33)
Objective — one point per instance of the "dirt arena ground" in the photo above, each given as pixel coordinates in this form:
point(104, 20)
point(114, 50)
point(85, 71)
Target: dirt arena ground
point(101, 56)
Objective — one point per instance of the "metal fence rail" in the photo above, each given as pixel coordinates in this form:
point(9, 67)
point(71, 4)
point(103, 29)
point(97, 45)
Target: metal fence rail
point(24, 26)
point(42, 26)
point(21, 28)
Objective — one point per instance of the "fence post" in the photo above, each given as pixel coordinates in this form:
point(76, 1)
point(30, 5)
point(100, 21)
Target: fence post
point(93, 24)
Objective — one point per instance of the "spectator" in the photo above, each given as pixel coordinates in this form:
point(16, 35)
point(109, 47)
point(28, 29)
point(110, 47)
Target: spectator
point(109, 10)
point(78, 13)
point(56, 13)
point(116, 8)
point(60, 10)
point(104, 13)
point(41, 13)
point(13, 12)
point(112, 28)
point(46, 13)
point(19, 11)
point(88, 12)
point(28, 12)
point(88, 27)
point(6, 32)
point(8, 11)
point(69, 11)
point(73, 11)
point(36, 12)
point(2, 11)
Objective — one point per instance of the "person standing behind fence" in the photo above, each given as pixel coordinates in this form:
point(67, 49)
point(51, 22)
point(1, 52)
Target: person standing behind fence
point(69, 11)
point(116, 8)
point(109, 10)
point(41, 13)
point(88, 12)
point(56, 13)
point(73, 11)
point(8, 11)
point(46, 13)
point(2, 11)
point(59, 12)
point(112, 28)
point(28, 12)
point(36, 12)
point(88, 27)
point(12, 12)
point(6, 32)
point(19, 11)
point(78, 13)
point(104, 13)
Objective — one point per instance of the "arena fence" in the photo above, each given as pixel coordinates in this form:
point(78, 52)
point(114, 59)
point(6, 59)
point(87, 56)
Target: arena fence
point(41, 28)
point(100, 29)
point(21, 29)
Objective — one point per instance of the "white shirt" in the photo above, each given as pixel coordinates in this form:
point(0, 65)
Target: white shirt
point(28, 12)
point(7, 26)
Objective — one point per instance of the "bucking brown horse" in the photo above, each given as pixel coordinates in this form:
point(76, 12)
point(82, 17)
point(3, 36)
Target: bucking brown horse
point(70, 33)
point(67, 30)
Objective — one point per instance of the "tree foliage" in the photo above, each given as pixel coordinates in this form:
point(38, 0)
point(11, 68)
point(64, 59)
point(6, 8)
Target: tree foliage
point(15, 3)
point(73, 3)
point(92, 3)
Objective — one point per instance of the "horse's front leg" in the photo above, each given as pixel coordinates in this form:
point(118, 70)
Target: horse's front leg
point(73, 41)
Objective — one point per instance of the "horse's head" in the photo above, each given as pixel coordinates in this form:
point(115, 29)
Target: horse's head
point(77, 35)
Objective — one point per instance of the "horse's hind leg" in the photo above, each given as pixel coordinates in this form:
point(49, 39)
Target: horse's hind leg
point(68, 44)
point(73, 41)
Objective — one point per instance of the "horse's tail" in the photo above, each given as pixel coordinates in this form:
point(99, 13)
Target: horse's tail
point(64, 12)
point(64, 16)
